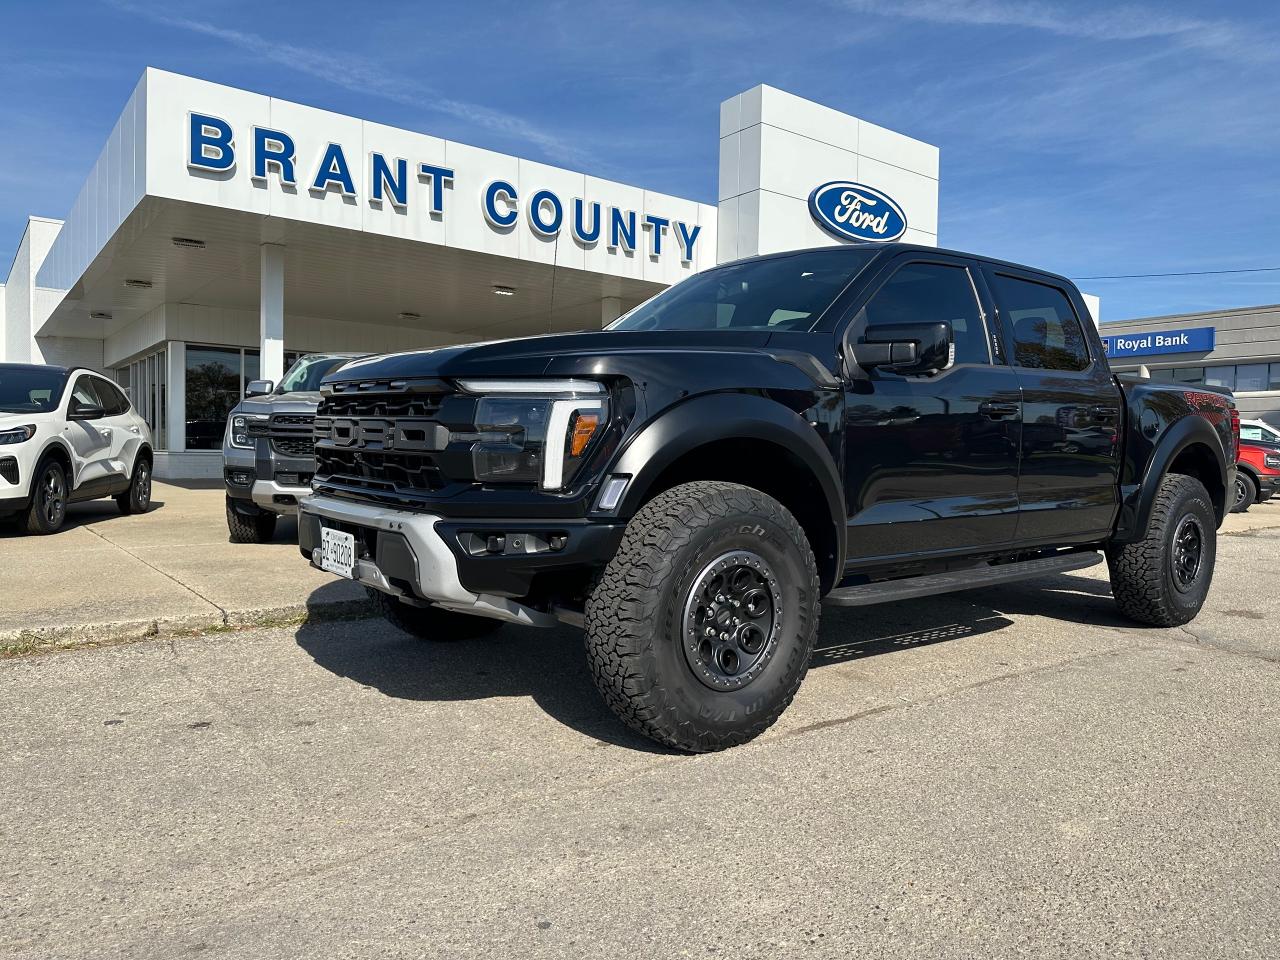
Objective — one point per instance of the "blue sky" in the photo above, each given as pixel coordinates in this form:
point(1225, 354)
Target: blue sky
point(1089, 138)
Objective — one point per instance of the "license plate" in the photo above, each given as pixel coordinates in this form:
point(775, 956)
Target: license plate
point(337, 552)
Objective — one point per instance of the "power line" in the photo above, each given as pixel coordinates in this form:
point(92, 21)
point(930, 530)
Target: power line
point(1188, 273)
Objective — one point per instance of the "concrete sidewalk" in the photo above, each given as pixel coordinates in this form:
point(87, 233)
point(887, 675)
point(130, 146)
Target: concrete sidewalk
point(107, 577)
point(169, 570)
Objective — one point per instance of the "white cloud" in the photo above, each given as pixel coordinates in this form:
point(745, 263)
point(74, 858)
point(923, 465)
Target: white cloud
point(361, 75)
point(1126, 22)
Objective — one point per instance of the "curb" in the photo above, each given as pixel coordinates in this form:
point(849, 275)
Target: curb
point(47, 639)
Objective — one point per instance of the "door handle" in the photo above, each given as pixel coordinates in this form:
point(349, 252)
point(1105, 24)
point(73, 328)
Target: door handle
point(998, 410)
point(1103, 414)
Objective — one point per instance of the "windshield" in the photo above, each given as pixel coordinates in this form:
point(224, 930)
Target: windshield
point(30, 389)
point(307, 372)
point(787, 292)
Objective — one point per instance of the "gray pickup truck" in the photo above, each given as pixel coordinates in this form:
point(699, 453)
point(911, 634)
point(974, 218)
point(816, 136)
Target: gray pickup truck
point(267, 451)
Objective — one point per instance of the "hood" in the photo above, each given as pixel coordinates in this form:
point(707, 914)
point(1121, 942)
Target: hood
point(535, 356)
point(300, 402)
point(10, 420)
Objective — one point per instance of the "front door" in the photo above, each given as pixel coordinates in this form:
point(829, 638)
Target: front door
point(931, 460)
point(90, 439)
point(1068, 489)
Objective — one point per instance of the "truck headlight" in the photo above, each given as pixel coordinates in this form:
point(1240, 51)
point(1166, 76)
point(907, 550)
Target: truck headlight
point(18, 434)
point(1272, 460)
point(534, 431)
point(239, 427)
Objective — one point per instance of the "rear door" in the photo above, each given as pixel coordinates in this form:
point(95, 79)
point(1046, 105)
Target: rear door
point(931, 461)
point(1068, 487)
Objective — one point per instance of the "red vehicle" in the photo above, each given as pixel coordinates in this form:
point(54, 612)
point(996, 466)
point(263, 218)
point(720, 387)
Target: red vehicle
point(1257, 473)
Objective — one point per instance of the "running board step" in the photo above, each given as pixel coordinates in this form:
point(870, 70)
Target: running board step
point(866, 594)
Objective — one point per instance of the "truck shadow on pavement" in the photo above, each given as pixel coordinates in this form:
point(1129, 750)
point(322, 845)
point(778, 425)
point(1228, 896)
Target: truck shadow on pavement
point(549, 666)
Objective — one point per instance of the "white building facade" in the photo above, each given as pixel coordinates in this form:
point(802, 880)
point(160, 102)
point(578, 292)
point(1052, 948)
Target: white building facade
point(221, 233)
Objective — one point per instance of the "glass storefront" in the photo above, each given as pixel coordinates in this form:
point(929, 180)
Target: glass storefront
point(216, 378)
point(145, 382)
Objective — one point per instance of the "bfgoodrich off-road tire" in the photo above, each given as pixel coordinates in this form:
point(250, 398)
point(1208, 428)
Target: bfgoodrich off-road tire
point(693, 560)
point(1246, 493)
point(430, 623)
point(259, 528)
point(1163, 579)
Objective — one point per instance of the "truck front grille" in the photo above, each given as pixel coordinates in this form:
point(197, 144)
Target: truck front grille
point(291, 434)
point(378, 439)
point(293, 446)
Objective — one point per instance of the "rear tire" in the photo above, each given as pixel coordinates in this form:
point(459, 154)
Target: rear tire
point(1164, 578)
point(259, 528)
point(701, 627)
point(430, 623)
point(137, 499)
point(1246, 492)
point(49, 495)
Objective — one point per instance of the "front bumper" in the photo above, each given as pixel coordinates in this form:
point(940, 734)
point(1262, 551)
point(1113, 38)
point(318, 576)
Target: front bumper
point(426, 558)
point(1267, 485)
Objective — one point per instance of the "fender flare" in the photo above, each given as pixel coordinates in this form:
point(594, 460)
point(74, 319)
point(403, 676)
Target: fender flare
point(1189, 430)
point(717, 417)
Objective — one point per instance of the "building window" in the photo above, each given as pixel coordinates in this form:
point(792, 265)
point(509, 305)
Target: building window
point(1240, 378)
point(1220, 377)
point(1252, 376)
point(216, 378)
point(145, 383)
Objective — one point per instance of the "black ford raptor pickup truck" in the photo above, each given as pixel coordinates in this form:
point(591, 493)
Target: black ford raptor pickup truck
point(850, 425)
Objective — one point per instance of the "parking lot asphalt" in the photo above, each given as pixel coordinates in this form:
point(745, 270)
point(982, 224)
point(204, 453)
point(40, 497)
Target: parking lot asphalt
point(107, 577)
point(1002, 773)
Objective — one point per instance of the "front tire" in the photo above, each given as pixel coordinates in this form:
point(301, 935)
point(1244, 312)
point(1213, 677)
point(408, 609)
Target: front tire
point(258, 528)
point(49, 494)
point(701, 627)
point(1246, 492)
point(430, 623)
point(137, 499)
point(1164, 578)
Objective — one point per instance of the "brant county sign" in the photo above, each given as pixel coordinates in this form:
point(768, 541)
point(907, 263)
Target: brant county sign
point(854, 211)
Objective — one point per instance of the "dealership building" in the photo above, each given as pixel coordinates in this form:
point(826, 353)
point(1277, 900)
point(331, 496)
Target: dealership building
point(221, 233)
point(1238, 349)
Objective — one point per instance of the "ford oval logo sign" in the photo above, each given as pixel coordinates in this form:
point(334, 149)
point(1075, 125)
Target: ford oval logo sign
point(854, 211)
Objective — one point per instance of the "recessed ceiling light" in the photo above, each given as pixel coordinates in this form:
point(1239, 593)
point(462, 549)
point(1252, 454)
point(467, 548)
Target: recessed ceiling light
point(409, 315)
point(504, 291)
point(99, 315)
point(188, 243)
point(138, 284)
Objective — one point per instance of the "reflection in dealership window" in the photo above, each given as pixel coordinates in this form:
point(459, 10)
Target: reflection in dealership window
point(213, 388)
point(1220, 377)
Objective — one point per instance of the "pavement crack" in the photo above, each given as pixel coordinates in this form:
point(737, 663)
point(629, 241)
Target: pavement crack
point(1185, 634)
point(222, 613)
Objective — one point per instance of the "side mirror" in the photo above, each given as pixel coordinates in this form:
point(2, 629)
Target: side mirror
point(258, 388)
point(85, 411)
point(905, 347)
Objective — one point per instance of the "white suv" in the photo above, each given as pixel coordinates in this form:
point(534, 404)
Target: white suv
point(68, 435)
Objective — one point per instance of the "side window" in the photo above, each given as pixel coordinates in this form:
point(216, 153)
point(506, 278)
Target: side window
point(1046, 331)
point(927, 292)
point(83, 392)
point(113, 401)
point(1251, 433)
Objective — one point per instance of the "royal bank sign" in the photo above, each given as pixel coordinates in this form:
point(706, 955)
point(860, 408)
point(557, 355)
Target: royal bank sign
point(272, 155)
point(1192, 340)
